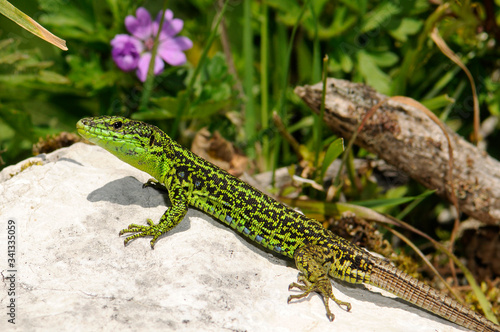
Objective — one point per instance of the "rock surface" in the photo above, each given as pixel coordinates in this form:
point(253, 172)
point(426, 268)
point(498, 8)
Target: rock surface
point(73, 272)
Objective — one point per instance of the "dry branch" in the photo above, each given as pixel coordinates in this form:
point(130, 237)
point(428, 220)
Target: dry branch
point(406, 138)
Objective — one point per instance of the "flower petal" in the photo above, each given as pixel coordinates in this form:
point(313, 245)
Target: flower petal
point(119, 40)
point(143, 66)
point(171, 49)
point(123, 40)
point(168, 15)
point(126, 51)
point(184, 43)
point(140, 26)
point(172, 27)
point(175, 44)
point(173, 57)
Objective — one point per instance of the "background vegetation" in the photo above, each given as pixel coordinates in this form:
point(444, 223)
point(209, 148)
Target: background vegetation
point(385, 44)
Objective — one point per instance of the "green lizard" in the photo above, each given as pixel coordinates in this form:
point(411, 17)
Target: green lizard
point(318, 253)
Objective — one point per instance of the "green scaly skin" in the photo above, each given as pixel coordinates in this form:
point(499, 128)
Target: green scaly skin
point(318, 253)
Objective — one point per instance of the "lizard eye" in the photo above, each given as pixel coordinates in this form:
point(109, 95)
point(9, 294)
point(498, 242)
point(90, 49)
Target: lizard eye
point(117, 125)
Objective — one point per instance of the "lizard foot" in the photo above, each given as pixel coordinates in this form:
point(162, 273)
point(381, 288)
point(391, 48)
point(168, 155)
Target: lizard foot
point(321, 286)
point(153, 183)
point(141, 231)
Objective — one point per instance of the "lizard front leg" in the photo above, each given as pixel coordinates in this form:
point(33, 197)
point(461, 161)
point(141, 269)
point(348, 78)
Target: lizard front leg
point(169, 220)
point(309, 260)
point(155, 184)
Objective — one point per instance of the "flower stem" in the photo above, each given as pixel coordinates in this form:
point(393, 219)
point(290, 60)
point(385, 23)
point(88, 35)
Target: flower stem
point(148, 85)
point(248, 79)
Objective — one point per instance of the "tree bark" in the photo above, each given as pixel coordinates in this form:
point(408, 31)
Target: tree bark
point(405, 137)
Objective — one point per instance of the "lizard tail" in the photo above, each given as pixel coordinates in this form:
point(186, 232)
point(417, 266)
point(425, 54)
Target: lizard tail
point(414, 291)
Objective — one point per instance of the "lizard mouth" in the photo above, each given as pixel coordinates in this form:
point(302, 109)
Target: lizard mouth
point(88, 129)
point(80, 127)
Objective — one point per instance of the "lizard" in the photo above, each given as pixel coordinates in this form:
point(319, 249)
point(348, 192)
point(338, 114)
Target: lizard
point(319, 254)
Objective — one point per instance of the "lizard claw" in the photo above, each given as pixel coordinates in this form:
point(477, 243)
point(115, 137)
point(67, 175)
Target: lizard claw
point(153, 183)
point(321, 286)
point(141, 231)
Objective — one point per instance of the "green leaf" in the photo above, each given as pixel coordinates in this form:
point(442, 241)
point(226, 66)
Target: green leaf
point(379, 15)
point(30, 25)
point(371, 72)
point(334, 150)
point(19, 121)
point(167, 109)
point(288, 10)
point(88, 73)
point(387, 202)
point(438, 102)
point(16, 134)
point(384, 59)
point(75, 23)
point(341, 23)
point(405, 28)
point(213, 92)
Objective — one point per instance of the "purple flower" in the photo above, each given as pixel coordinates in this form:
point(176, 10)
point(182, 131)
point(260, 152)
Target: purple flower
point(134, 51)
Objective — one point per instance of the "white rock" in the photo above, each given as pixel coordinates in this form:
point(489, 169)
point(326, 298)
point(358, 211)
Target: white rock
point(73, 272)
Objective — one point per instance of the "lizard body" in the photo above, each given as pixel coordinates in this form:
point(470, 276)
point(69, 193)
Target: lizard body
point(318, 253)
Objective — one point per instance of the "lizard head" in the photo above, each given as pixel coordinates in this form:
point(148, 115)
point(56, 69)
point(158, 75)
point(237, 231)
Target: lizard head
point(137, 143)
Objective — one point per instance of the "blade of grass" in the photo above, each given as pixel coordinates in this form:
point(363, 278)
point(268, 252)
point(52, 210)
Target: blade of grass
point(264, 82)
point(316, 76)
point(334, 150)
point(387, 202)
point(441, 44)
point(284, 82)
point(248, 80)
point(280, 126)
point(318, 120)
point(29, 24)
point(185, 97)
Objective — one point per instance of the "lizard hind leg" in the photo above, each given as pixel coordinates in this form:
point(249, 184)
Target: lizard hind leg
point(314, 277)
